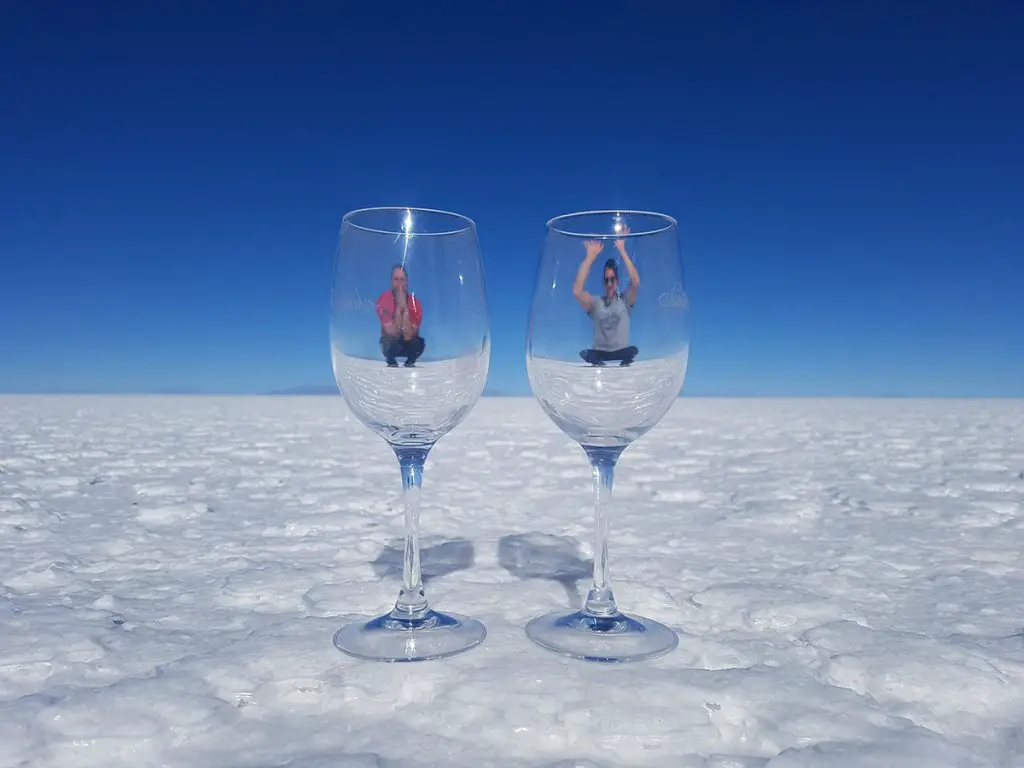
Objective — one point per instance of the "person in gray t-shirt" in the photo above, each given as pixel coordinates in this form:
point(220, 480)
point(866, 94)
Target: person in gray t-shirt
point(610, 313)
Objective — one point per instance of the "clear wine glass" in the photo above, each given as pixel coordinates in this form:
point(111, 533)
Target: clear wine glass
point(606, 358)
point(410, 344)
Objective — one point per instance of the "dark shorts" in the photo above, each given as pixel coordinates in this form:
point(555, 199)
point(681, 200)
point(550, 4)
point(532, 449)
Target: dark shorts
point(393, 347)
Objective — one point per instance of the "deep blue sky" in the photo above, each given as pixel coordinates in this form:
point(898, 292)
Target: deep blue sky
point(849, 179)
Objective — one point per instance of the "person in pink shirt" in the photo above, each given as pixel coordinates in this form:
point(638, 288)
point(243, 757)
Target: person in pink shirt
point(400, 314)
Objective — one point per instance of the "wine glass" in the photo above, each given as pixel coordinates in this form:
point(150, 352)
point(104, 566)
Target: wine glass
point(410, 344)
point(606, 358)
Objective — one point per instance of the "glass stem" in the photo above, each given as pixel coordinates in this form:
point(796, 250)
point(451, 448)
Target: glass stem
point(600, 599)
point(412, 601)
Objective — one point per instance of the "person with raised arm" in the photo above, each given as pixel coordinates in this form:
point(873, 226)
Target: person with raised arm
point(400, 314)
point(609, 313)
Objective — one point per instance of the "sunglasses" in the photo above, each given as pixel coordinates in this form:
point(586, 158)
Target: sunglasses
point(609, 280)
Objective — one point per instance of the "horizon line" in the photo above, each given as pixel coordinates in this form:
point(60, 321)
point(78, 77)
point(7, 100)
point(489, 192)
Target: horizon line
point(493, 395)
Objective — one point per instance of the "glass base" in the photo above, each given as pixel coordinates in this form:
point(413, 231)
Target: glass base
point(614, 638)
point(388, 638)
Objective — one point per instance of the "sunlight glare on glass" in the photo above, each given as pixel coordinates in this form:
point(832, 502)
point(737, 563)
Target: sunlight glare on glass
point(407, 234)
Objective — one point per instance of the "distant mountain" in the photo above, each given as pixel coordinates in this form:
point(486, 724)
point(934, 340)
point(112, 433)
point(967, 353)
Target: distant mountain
point(489, 392)
point(309, 389)
point(330, 389)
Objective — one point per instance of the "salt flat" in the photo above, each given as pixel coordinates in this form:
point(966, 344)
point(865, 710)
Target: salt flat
point(847, 578)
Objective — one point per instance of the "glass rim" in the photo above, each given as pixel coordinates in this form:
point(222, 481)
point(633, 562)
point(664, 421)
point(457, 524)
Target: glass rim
point(669, 223)
point(468, 223)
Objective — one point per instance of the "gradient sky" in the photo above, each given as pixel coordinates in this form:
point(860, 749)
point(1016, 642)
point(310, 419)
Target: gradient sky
point(849, 180)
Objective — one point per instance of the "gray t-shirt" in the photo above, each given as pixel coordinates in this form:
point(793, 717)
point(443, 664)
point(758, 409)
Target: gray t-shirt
point(611, 322)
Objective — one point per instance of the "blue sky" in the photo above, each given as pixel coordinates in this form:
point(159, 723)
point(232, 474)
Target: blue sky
point(849, 180)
